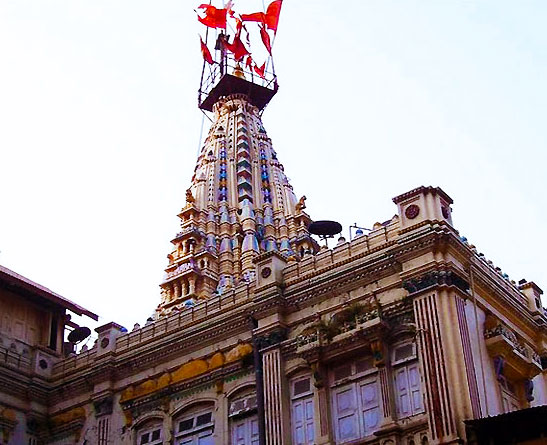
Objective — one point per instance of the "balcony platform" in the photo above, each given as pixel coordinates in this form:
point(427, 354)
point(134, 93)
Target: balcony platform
point(258, 95)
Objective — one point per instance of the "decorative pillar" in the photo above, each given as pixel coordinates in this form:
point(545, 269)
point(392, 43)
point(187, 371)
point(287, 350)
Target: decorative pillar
point(319, 372)
point(273, 384)
point(379, 353)
point(191, 286)
point(468, 358)
point(276, 407)
point(176, 288)
point(432, 357)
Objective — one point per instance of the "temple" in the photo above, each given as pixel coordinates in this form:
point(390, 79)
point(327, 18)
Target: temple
point(404, 335)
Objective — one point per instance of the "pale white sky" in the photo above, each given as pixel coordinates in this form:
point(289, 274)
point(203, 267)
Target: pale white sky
point(99, 129)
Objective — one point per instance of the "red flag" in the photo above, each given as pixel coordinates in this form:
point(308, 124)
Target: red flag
point(205, 52)
point(272, 14)
point(214, 18)
point(260, 70)
point(266, 39)
point(254, 17)
point(270, 18)
point(239, 25)
point(237, 48)
point(249, 63)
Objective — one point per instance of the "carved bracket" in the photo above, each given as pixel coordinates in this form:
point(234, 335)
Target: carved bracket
point(435, 278)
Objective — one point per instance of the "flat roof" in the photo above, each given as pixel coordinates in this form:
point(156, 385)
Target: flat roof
point(19, 281)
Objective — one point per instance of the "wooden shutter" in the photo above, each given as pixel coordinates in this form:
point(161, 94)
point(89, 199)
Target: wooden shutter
point(239, 433)
point(370, 404)
point(254, 430)
point(415, 387)
point(303, 421)
point(402, 392)
point(345, 413)
point(245, 431)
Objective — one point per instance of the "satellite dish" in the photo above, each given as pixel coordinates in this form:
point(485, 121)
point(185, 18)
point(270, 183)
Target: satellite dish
point(79, 334)
point(325, 228)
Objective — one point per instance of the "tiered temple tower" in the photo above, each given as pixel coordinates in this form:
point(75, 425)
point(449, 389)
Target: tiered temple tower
point(240, 205)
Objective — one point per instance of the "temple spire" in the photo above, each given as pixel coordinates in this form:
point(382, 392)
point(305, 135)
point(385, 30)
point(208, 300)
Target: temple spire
point(240, 204)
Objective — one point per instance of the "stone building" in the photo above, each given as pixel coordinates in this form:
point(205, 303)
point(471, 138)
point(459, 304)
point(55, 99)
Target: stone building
point(398, 336)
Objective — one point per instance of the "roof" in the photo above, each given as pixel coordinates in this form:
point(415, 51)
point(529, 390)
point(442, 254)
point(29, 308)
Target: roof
point(524, 424)
point(422, 189)
point(20, 282)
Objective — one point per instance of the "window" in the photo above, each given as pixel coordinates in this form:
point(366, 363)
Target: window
point(408, 385)
point(356, 400)
point(302, 411)
point(150, 433)
point(245, 431)
point(509, 397)
point(195, 427)
point(243, 419)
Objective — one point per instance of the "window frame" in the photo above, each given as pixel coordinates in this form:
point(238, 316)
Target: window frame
point(149, 427)
point(355, 382)
point(305, 398)
point(246, 415)
point(196, 432)
point(247, 420)
point(407, 364)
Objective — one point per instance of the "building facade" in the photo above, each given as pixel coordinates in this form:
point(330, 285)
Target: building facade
point(398, 336)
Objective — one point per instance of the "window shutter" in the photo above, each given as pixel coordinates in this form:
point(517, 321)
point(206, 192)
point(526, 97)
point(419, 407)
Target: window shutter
point(402, 390)
point(244, 431)
point(239, 433)
point(309, 418)
point(254, 431)
point(298, 422)
point(415, 388)
point(345, 404)
point(370, 403)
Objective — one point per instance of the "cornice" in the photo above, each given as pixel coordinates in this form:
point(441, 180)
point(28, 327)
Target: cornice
point(174, 390)
point(375, 268)
point(119, 367)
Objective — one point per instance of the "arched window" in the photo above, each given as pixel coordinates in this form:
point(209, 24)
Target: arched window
point(150, 432)
point(243, 418)
point(195, 426)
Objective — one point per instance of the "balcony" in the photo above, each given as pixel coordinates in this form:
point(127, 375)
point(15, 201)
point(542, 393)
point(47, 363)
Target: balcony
point(350, 322)
point(521, 361)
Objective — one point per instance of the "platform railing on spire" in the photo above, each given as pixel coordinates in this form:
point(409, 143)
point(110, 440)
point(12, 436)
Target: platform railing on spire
point(211, 76)
point(231, 67)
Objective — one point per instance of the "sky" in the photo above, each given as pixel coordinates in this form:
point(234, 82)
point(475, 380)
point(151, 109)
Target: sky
point(99, 129)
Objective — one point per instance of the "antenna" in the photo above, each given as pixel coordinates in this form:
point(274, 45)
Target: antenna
point(325, 229)
point(79, 334)
point(358, 231)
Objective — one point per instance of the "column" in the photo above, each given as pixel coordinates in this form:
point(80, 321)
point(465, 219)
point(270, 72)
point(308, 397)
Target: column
point(276, 407)
point(433, 361)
